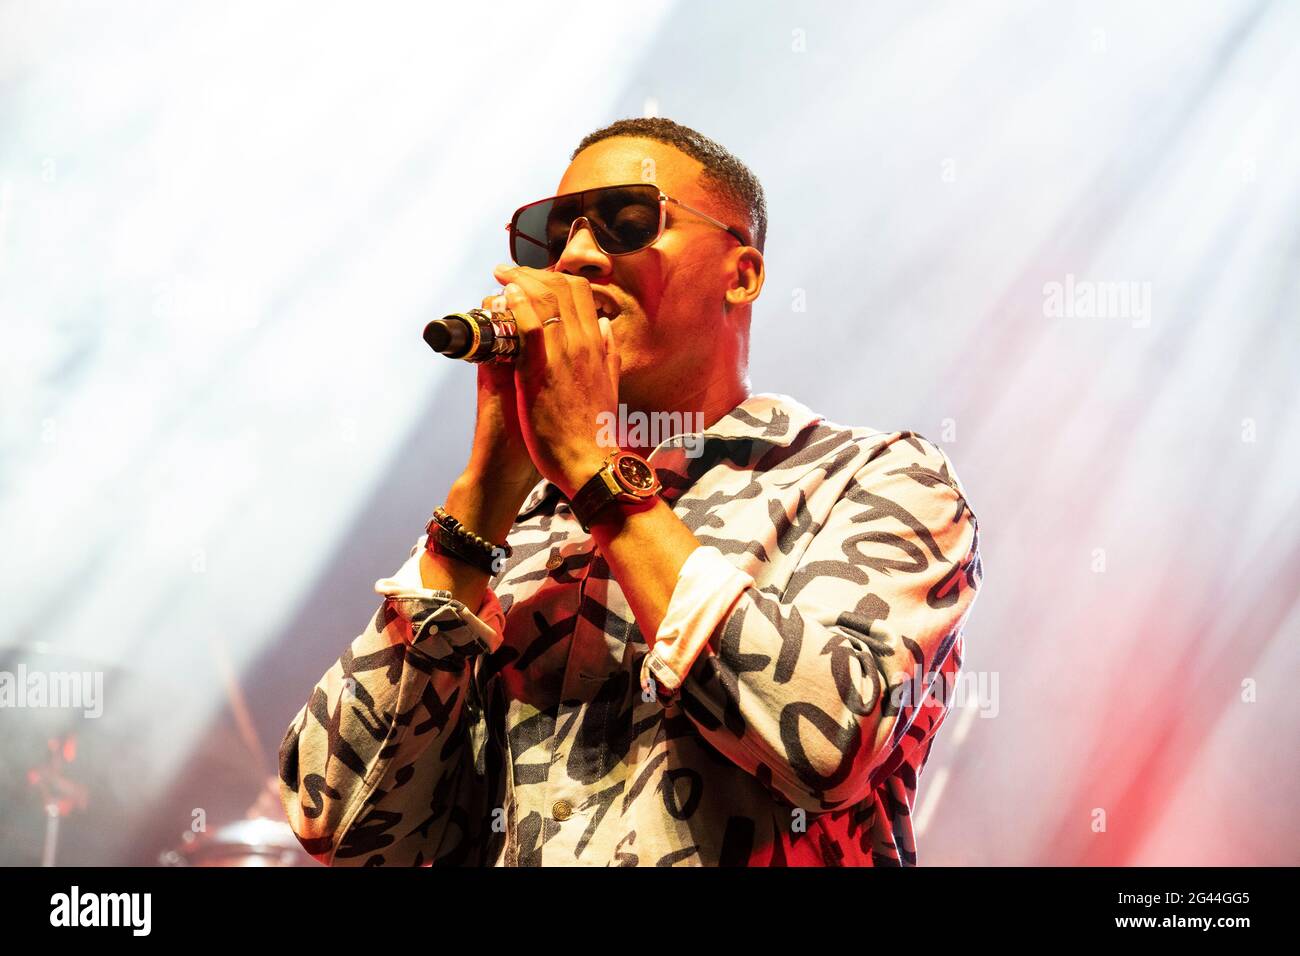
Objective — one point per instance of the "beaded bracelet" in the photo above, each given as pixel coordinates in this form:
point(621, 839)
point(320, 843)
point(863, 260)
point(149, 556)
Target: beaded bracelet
point(441, 541)
point(446, 535)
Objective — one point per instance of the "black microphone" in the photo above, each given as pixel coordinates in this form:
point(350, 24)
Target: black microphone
point(475, 336)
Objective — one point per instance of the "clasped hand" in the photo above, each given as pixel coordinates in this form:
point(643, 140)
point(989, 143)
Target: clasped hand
point(567, 377)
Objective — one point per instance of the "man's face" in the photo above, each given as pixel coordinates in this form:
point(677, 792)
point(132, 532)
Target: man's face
point(671, 294)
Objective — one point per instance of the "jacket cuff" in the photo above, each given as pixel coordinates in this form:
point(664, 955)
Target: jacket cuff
point(708, 586)
point(440, 624)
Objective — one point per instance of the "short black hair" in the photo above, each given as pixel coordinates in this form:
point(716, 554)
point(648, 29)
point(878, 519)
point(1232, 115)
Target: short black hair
point(724, 175)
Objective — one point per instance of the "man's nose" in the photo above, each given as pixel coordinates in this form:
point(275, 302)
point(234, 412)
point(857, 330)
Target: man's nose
point(582, 256)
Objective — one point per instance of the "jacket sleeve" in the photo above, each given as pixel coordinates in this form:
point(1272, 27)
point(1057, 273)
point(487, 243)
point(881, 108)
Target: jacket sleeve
point(816, 690)
point(384, 763)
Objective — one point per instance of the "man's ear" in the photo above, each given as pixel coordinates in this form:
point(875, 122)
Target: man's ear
point(746, 276)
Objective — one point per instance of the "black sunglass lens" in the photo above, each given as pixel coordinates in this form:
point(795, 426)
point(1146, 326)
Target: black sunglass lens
point(559, 221)
point(626, 218)
point(528, 240)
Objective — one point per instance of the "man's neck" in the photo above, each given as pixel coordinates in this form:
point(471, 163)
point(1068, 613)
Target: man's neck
point(697, 411)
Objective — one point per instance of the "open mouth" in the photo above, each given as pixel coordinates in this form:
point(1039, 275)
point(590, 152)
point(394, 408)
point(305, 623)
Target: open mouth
point(605, 304)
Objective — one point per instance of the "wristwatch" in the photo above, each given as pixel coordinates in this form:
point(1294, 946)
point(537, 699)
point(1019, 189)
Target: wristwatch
point(625, 478)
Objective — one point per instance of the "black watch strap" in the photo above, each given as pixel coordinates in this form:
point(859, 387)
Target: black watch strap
point(604, 489)
point(591, 499)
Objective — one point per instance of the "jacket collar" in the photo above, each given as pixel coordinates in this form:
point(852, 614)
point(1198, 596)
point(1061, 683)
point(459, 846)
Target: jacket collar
point(769, 417)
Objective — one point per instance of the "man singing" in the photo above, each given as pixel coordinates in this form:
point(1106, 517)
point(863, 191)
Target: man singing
point(732, 646)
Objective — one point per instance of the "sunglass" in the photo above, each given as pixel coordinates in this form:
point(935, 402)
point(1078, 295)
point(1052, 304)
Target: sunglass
point(624, 219)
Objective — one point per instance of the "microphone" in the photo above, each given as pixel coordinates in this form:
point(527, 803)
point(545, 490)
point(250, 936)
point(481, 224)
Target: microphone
point(475, 336)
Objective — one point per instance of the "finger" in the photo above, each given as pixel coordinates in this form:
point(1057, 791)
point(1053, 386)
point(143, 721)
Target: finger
point(584, 308)
point(548, 298)
point(500, 376)
point(558, 294)
point(613, 361)
point(540, 342)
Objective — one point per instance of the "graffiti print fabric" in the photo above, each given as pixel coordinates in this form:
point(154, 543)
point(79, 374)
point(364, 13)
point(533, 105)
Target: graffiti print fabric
point(520, 735)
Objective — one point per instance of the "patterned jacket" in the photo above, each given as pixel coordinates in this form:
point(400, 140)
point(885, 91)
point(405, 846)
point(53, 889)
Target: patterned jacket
point(822, 635)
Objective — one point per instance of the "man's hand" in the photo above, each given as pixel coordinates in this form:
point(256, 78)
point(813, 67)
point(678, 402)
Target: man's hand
point(499, 455)
point(536, 418)
point(568, 373)
point(490, 491)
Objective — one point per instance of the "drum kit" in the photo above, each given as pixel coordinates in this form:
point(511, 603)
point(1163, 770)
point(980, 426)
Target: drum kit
point(262, 838)
point(67, 792)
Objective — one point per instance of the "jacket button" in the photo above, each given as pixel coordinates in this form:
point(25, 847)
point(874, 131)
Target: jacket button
point(555, 561)
point(562, 810)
